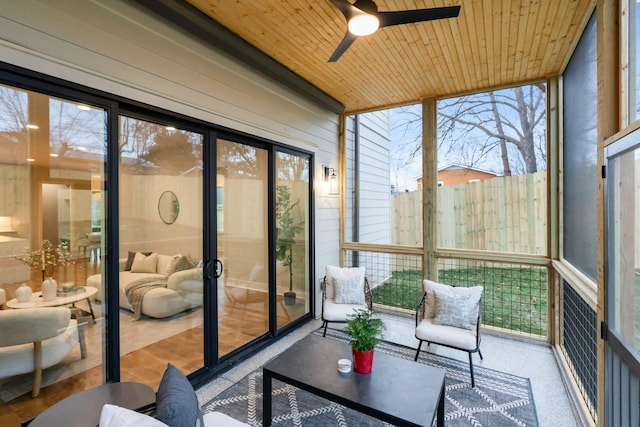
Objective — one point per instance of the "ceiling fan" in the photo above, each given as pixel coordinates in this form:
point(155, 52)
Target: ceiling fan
point(364, 19)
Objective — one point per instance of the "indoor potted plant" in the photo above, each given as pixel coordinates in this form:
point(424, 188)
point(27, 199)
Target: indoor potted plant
point(286, 232)
point(365, 331)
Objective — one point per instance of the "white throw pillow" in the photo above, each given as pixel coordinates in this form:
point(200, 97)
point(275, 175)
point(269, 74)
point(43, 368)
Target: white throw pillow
point(167, 263)
point(116, 416)
point(454, 310)
point(144, 264)
point(334, 273)
point(474, 294)
point(349, 291)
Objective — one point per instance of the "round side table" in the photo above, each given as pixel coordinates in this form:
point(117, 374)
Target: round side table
point(83, 409)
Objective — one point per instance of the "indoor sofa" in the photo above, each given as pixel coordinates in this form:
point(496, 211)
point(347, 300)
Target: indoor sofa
point(173, 283)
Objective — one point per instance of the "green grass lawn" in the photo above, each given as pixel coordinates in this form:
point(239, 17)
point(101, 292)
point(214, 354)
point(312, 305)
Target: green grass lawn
point(513, 298)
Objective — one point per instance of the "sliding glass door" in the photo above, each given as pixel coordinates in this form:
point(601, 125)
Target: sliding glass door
point(137, 210)
point(242, 173)
point(292, 236)
point(160, 290)
point(52, 156)
point(253, 282)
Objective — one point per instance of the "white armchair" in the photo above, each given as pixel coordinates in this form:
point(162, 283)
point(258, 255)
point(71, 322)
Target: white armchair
point(343, 291)
point(34, 339)
point(450, 316)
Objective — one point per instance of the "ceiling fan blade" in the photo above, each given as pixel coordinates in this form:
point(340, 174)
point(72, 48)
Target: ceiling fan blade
point(417, 15)
point(343, 46)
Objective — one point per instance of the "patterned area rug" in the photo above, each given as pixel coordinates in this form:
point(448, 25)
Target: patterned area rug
point(499, 399)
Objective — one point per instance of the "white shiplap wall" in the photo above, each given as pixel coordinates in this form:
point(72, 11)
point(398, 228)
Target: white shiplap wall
point(119, 48)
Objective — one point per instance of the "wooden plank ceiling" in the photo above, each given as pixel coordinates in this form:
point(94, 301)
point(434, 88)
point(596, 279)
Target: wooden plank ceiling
point(492, 43)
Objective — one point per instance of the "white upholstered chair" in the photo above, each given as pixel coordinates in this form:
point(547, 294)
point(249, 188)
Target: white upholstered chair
point(450, 316)
point(344, 290)
point(36, 338)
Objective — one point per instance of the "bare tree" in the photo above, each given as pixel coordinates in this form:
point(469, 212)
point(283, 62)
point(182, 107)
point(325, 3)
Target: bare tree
point(504, 129)
point(507, 119)
point(173, 152)
point(136, 136)
point(238, 160)
point(292, 167)
point(406, 140)
point(14, 115)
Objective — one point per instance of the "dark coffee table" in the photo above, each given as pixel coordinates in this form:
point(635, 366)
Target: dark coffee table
point(398, 391)
point(83, 409)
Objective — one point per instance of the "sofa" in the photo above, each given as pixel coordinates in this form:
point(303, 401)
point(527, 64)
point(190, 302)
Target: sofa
point(171, 283)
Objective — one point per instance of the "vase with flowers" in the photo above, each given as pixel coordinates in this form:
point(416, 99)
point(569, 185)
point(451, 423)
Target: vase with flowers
point(46, 260)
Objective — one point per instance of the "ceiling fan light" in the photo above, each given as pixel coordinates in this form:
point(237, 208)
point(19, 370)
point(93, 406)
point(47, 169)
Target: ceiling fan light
point(363, 25)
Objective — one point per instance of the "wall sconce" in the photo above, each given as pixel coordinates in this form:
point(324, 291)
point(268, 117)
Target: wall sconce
point(331, 177)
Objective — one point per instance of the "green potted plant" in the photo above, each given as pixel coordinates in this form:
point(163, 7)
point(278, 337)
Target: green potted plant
point(365, 331)
point(286, 231)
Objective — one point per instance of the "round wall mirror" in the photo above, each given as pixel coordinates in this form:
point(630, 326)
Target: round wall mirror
point(168, 207)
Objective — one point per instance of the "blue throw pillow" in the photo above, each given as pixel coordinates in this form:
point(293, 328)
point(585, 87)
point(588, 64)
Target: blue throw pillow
point(176, 401)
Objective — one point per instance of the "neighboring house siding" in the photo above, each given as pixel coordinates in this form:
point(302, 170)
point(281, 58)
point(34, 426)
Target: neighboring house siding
point(462, 176)
point(374, 191)
point(374, 178)
point(116, 47)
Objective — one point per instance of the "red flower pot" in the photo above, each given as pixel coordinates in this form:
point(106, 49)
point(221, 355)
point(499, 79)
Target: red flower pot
point(362, 361)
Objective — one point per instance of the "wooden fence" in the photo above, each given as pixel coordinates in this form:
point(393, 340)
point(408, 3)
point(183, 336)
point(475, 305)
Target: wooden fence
point(506, 214)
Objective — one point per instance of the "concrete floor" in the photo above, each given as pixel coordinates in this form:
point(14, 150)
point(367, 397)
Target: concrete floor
point(519, 357)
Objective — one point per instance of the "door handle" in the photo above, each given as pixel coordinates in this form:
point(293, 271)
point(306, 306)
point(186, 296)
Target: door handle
point(206, 269)
point(219, 268)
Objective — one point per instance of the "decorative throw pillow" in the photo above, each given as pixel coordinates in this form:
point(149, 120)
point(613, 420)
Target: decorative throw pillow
point(453, 310)
point(184, 263)
point(334, 273)
point(130, 258)
point(144, 264)
point(116, 416)
point(176, 401)
point(431, 287)
point(171, 265)
point(349, 290)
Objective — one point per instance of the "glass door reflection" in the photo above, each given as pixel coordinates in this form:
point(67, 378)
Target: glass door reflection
point(242, 206)
point(161, 249)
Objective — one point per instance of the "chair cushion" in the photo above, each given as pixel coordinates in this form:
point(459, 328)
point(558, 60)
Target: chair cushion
point(334, 273)
point(116, 416)
point(333, 312)
point(472, 294)
point(464, 339)
point(218, 419)
point(176, 401)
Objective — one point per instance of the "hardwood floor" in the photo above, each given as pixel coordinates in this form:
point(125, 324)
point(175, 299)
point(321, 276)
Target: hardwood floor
point(239, 323)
